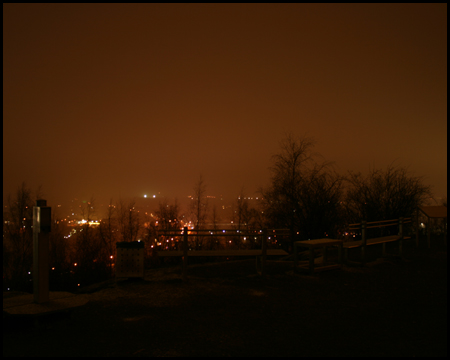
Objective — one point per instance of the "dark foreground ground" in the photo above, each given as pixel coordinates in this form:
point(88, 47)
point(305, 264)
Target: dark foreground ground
point(391, 307)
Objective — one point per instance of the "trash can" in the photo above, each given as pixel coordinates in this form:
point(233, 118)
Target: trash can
point(130, 259)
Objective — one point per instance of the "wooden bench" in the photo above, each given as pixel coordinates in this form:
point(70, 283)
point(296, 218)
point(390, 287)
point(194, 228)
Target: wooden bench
point(259, 253)
point(365, 241)
point(318, 244)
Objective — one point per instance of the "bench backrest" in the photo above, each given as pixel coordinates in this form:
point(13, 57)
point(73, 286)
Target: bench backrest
point(381, 225)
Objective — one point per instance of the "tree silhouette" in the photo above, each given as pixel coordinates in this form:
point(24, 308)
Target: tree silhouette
point(128, 220)
point(384, 194)
point(18, 238)
point(199, 207)
point(305, 192)
point(108, 233)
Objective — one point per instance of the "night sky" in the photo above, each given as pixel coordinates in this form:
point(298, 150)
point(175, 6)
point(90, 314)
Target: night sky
point(123, 100)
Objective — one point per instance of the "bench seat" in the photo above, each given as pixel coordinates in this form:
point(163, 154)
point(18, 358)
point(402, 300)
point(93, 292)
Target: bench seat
point(378, 240)
point(383, 239)
point(255, 252)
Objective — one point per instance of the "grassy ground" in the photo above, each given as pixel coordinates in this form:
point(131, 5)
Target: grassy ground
point(391, 307)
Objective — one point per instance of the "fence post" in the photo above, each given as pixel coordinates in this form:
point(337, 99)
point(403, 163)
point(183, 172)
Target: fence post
point(263, 252)
point(185, 252)
point(363, 247)
point(445, 231)
point(417, 228)
point(400, 234)
point(295, 256)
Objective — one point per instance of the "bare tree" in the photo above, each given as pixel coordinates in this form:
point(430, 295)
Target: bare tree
point(18, 238)
point(168, 218)
point(243, 216)
point(128, 220)
point(89, 259)
point(305, 192)
point(59, 251)
point(168, 215)
point(87, 214)
point(108, 233)
point(86, 243)
point(214, 240)
point(384, 194)
point(199, 207)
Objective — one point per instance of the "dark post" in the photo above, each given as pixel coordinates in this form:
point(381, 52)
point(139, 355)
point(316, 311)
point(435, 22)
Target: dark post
point(417, 228)
point(295, 256)
point(363, 247)
point(264, 252)
point(311, 260)
point(445, 231)
point(185, 252)
point(41, 231)
point(400, 234)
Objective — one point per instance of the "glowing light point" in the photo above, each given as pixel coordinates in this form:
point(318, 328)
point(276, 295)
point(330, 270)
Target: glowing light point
point(145, 196)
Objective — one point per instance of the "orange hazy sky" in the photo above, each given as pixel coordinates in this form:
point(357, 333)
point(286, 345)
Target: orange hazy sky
point(122, 100)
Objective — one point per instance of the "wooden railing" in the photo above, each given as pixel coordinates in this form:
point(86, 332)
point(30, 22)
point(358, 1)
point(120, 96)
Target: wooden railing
point(260, 254)
point(382, 239)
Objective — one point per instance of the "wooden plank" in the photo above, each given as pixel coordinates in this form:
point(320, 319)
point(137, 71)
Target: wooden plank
point(380, 226)
point(223, 232)
point(319, 243)
point(383, 221)
point(320, 268)
point(351, 229)
point(383, 239)
point(219, 234)
point(225, 253)
point(352, 244)
point(255, 252)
